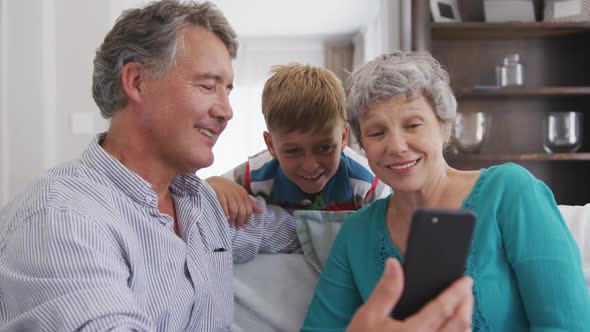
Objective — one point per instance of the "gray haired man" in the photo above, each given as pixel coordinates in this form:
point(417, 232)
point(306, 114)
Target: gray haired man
point(128, 237)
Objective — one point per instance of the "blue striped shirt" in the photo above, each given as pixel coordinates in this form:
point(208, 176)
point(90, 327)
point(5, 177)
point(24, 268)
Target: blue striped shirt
point(85, 247)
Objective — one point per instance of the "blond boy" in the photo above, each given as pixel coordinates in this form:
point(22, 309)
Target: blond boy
point(307, 164)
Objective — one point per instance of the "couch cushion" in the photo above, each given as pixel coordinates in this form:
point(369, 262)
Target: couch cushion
point(577, 219)
point(317, 231)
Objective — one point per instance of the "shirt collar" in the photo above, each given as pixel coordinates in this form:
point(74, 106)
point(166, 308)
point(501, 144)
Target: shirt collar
point(129, 182)
point(337, 189)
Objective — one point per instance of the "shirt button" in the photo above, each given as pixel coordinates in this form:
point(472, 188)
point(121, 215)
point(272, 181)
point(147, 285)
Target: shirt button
point(306, 202)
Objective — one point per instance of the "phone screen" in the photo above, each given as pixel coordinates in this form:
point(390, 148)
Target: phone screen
point(438, 246)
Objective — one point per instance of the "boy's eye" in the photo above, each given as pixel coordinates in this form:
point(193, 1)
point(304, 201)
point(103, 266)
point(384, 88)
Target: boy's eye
point(292, 152)
point(326, 148)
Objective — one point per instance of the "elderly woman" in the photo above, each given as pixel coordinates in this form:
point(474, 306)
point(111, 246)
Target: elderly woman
point(525, 264)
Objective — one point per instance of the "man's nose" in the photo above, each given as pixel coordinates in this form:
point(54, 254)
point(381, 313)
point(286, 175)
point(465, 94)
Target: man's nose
point(222, 110)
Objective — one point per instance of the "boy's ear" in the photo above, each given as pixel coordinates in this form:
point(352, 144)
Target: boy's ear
point(344, 137)
point(132, 76)
point(269, 146)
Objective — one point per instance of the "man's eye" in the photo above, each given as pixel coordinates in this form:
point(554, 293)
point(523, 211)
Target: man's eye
point(207, 87)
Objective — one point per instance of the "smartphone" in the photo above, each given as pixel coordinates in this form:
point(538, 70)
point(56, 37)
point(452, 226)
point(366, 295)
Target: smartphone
point(437, 250)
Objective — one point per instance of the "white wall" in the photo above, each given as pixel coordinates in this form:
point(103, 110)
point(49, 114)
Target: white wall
point(3, 105)
point(46, 53)
point(46, 69)
point(382, 31)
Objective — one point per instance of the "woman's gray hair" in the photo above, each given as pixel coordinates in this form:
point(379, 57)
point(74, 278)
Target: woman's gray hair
point(151, 36)
point(396, 74)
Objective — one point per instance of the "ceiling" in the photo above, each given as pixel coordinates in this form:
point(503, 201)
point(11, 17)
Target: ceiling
point(301, 18)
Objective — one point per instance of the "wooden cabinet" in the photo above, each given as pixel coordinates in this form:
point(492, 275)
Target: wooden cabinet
point(556, 57)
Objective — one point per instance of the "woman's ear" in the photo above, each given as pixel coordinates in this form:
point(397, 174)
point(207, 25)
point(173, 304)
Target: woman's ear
point(132, 78)
point(269, 146)
point(447, 131)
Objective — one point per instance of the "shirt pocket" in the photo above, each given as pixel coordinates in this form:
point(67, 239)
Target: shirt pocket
point(221, 277)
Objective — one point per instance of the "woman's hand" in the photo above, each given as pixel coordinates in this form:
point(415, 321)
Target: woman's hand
point(450, 311)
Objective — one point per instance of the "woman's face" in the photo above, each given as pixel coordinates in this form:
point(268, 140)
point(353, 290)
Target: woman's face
point(404, 141)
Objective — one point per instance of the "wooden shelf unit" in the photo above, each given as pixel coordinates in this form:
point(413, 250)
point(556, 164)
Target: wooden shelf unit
point(559, 91)
point(582, 156)
point(512, 30)
point(555, 57)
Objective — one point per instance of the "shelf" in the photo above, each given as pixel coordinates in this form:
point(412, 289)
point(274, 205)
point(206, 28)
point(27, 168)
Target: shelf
point(524, 92)
point(510, 30)
point(581, 156)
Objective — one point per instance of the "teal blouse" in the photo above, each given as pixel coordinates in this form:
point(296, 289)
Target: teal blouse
point(525, 263)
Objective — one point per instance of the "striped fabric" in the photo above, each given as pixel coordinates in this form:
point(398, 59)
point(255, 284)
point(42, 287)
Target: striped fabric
point(84, 247)
point(350, 188)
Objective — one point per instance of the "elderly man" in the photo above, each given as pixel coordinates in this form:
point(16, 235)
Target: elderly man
point(128, 237)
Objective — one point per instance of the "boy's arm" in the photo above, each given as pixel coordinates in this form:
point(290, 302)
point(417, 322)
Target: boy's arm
point(236, 202)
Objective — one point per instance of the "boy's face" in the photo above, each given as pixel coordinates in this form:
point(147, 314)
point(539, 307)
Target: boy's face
point(311, 158)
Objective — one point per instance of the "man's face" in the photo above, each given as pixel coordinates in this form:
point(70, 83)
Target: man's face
point(311, 158)
point(184, 112)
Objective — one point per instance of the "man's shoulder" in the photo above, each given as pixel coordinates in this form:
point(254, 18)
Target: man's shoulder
point(70, 186)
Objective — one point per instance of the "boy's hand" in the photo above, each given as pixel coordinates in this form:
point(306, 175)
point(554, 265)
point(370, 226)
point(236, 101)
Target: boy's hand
point(237, 204)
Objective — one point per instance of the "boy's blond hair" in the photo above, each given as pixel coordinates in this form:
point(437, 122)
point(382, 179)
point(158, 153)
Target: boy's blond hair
point(301, 97)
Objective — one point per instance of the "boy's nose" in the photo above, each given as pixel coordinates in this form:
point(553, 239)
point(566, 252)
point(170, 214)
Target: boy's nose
point(309, 163)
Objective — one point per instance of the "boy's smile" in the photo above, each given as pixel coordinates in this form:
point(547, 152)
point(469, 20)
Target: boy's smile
point(311, 158)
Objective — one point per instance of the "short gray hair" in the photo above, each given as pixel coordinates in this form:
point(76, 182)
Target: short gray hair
point(396, 74)
point(152, 37)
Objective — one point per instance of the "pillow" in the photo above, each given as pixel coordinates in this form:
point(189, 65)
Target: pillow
point(316, 231)
point(577, 219)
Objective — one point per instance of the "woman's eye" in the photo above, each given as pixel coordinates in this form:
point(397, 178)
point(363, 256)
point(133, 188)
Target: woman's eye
point(375, 134)
point(414, 125)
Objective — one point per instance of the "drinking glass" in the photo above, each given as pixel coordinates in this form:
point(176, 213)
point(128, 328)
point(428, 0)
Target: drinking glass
point(470, 131)
point(563, 132)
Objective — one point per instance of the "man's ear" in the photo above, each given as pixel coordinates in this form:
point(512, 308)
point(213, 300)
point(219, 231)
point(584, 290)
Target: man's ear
point(269, 146)
point(344, 137)
point(132, 78)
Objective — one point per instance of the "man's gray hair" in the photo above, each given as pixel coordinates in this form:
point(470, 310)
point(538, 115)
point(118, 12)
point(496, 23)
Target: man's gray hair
point(151, 36)
point(396, 74)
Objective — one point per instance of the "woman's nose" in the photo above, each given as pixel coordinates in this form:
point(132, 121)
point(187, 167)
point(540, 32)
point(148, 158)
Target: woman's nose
point(397, 143)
